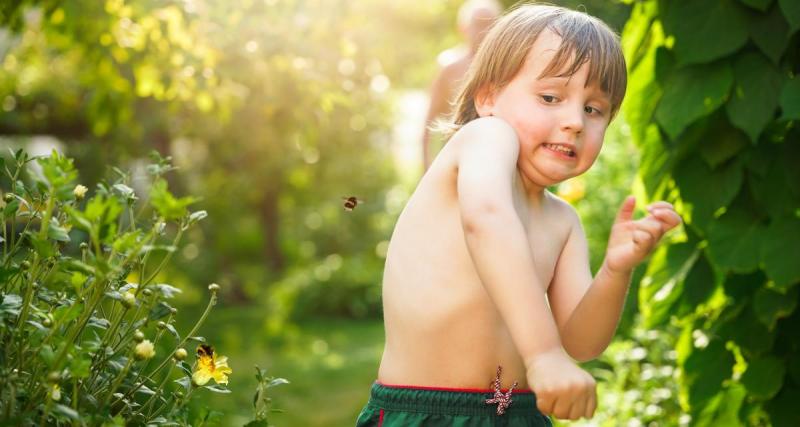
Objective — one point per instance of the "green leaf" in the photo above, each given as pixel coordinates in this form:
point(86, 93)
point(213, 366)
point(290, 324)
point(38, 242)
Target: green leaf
point(705, 191)
point(734, 242)
point(780, 240)
point(698, 286)
point(747, 331)
point(57, 174)
point(56, 232)
point(722, 409)
point(705, 31)
point(764, 377)
point(705, 369)
point(66, 411)
point(11, 208)
point(691, 93)
point(774, 181)
point(655, 162)
point(662, 284)
point(80, 366)
point(791, 10)
point(166, 204)
point(761, 5)
point(790, 99)
point(782, 409)
point(770, 305)
point(755, 95)
point(770, 32)
point(721, 142)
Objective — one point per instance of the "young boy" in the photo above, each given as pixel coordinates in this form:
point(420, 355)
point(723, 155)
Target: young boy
point(486, 269)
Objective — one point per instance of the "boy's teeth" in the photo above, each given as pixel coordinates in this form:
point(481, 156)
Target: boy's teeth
point(559, 148)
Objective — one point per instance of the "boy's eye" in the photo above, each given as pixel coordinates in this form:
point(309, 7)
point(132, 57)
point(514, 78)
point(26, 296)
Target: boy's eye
point(589, 110)
point(549, 99)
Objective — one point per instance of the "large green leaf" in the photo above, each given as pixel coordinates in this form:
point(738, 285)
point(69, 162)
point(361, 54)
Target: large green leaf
point(774, 181)
point(744, 329)
point(698, 286)
point(779, 252)
point(782, 409)
point(770, 32)
point(791, 10)
point(704, 370)
point(755, 94)
point(638, 34)
point(734, 242)
point(761, 5)
point(722, 409)
point(705, 191)
point(691, 93)
point(662, 284)
point(790, 99)
point(655, 163)
point(721, 142)
point(770, 305)
point(705, 31)
point(764, 377)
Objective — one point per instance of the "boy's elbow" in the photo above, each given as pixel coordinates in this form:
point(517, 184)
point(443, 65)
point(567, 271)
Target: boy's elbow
point(583, 355)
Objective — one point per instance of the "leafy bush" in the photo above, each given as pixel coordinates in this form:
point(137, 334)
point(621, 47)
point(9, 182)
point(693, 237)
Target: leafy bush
point(82, 343)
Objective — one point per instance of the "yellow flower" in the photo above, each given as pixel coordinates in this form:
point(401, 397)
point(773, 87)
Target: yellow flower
point(572, 190)
point(210, 366)
point(79, 191)
point(144, 350)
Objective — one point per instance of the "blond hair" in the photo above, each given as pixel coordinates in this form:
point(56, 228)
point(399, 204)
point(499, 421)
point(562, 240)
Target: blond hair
point(584, 39)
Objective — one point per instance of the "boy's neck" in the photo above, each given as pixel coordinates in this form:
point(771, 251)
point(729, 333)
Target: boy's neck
point(533, 192)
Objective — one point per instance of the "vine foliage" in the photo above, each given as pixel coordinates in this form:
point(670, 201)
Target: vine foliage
point(714, 107)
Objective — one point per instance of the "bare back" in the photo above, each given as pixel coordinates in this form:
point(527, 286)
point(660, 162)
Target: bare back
point(442, 329)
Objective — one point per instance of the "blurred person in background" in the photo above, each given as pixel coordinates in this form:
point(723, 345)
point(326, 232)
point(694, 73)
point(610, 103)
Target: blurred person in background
point(474, 19)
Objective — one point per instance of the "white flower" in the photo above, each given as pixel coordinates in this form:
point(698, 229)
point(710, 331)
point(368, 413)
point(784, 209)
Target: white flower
point(79, 191)
point(144, 350)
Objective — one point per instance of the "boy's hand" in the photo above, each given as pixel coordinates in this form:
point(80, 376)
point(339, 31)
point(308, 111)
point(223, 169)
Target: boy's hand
point(631, 241)
point(562, 389)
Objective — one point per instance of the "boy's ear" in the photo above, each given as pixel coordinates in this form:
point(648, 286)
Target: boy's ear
point(484, 101)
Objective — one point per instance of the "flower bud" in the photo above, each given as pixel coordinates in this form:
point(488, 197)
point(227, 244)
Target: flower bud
point(179, 394)
point(79, 192)
point(180, 354)
point(147, 292)
point(55, 392)
point(54, 377)
point(161, 325)
point(47, 321)
point(214, 288)
point(138, 336)
point(128, 299)
point(25, 265)
point(173, 310)
point(144, 350)
point(84, 246)
point(9, 197)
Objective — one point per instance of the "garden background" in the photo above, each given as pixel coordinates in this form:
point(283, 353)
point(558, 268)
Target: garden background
point(274, 110)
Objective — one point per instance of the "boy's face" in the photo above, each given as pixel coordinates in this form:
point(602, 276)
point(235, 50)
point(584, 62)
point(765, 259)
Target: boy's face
point(559, 122)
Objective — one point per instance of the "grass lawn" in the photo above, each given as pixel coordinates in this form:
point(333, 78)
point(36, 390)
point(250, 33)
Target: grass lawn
point(330, 365)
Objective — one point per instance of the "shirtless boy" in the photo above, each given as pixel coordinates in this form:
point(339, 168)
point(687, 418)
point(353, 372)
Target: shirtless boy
point(487, 268)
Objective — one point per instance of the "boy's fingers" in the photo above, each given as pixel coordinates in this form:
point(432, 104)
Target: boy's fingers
point(578, 409)
point(545, 405)
point(660, 205)
point(652, 225)
point(642, 239)
point(668, 217)
point(591, 405)
point(626, 210)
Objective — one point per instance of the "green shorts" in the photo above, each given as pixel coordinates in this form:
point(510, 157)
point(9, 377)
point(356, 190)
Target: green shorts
point(391, 405)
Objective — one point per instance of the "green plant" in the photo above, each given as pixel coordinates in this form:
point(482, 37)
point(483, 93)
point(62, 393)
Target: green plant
point(714, 107)
point(81, 343)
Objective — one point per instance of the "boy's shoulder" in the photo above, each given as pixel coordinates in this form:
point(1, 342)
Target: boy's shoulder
point(486, 130)
point(563, 208)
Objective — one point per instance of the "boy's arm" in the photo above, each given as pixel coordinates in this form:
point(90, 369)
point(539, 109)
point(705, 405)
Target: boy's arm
point(496, 238)
point(588, 310)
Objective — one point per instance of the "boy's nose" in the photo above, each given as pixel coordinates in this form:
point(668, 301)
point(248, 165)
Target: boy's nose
point(572, 119)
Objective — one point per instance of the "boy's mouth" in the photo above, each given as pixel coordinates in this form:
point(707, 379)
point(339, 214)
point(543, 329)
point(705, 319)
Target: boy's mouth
point(561, 148)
